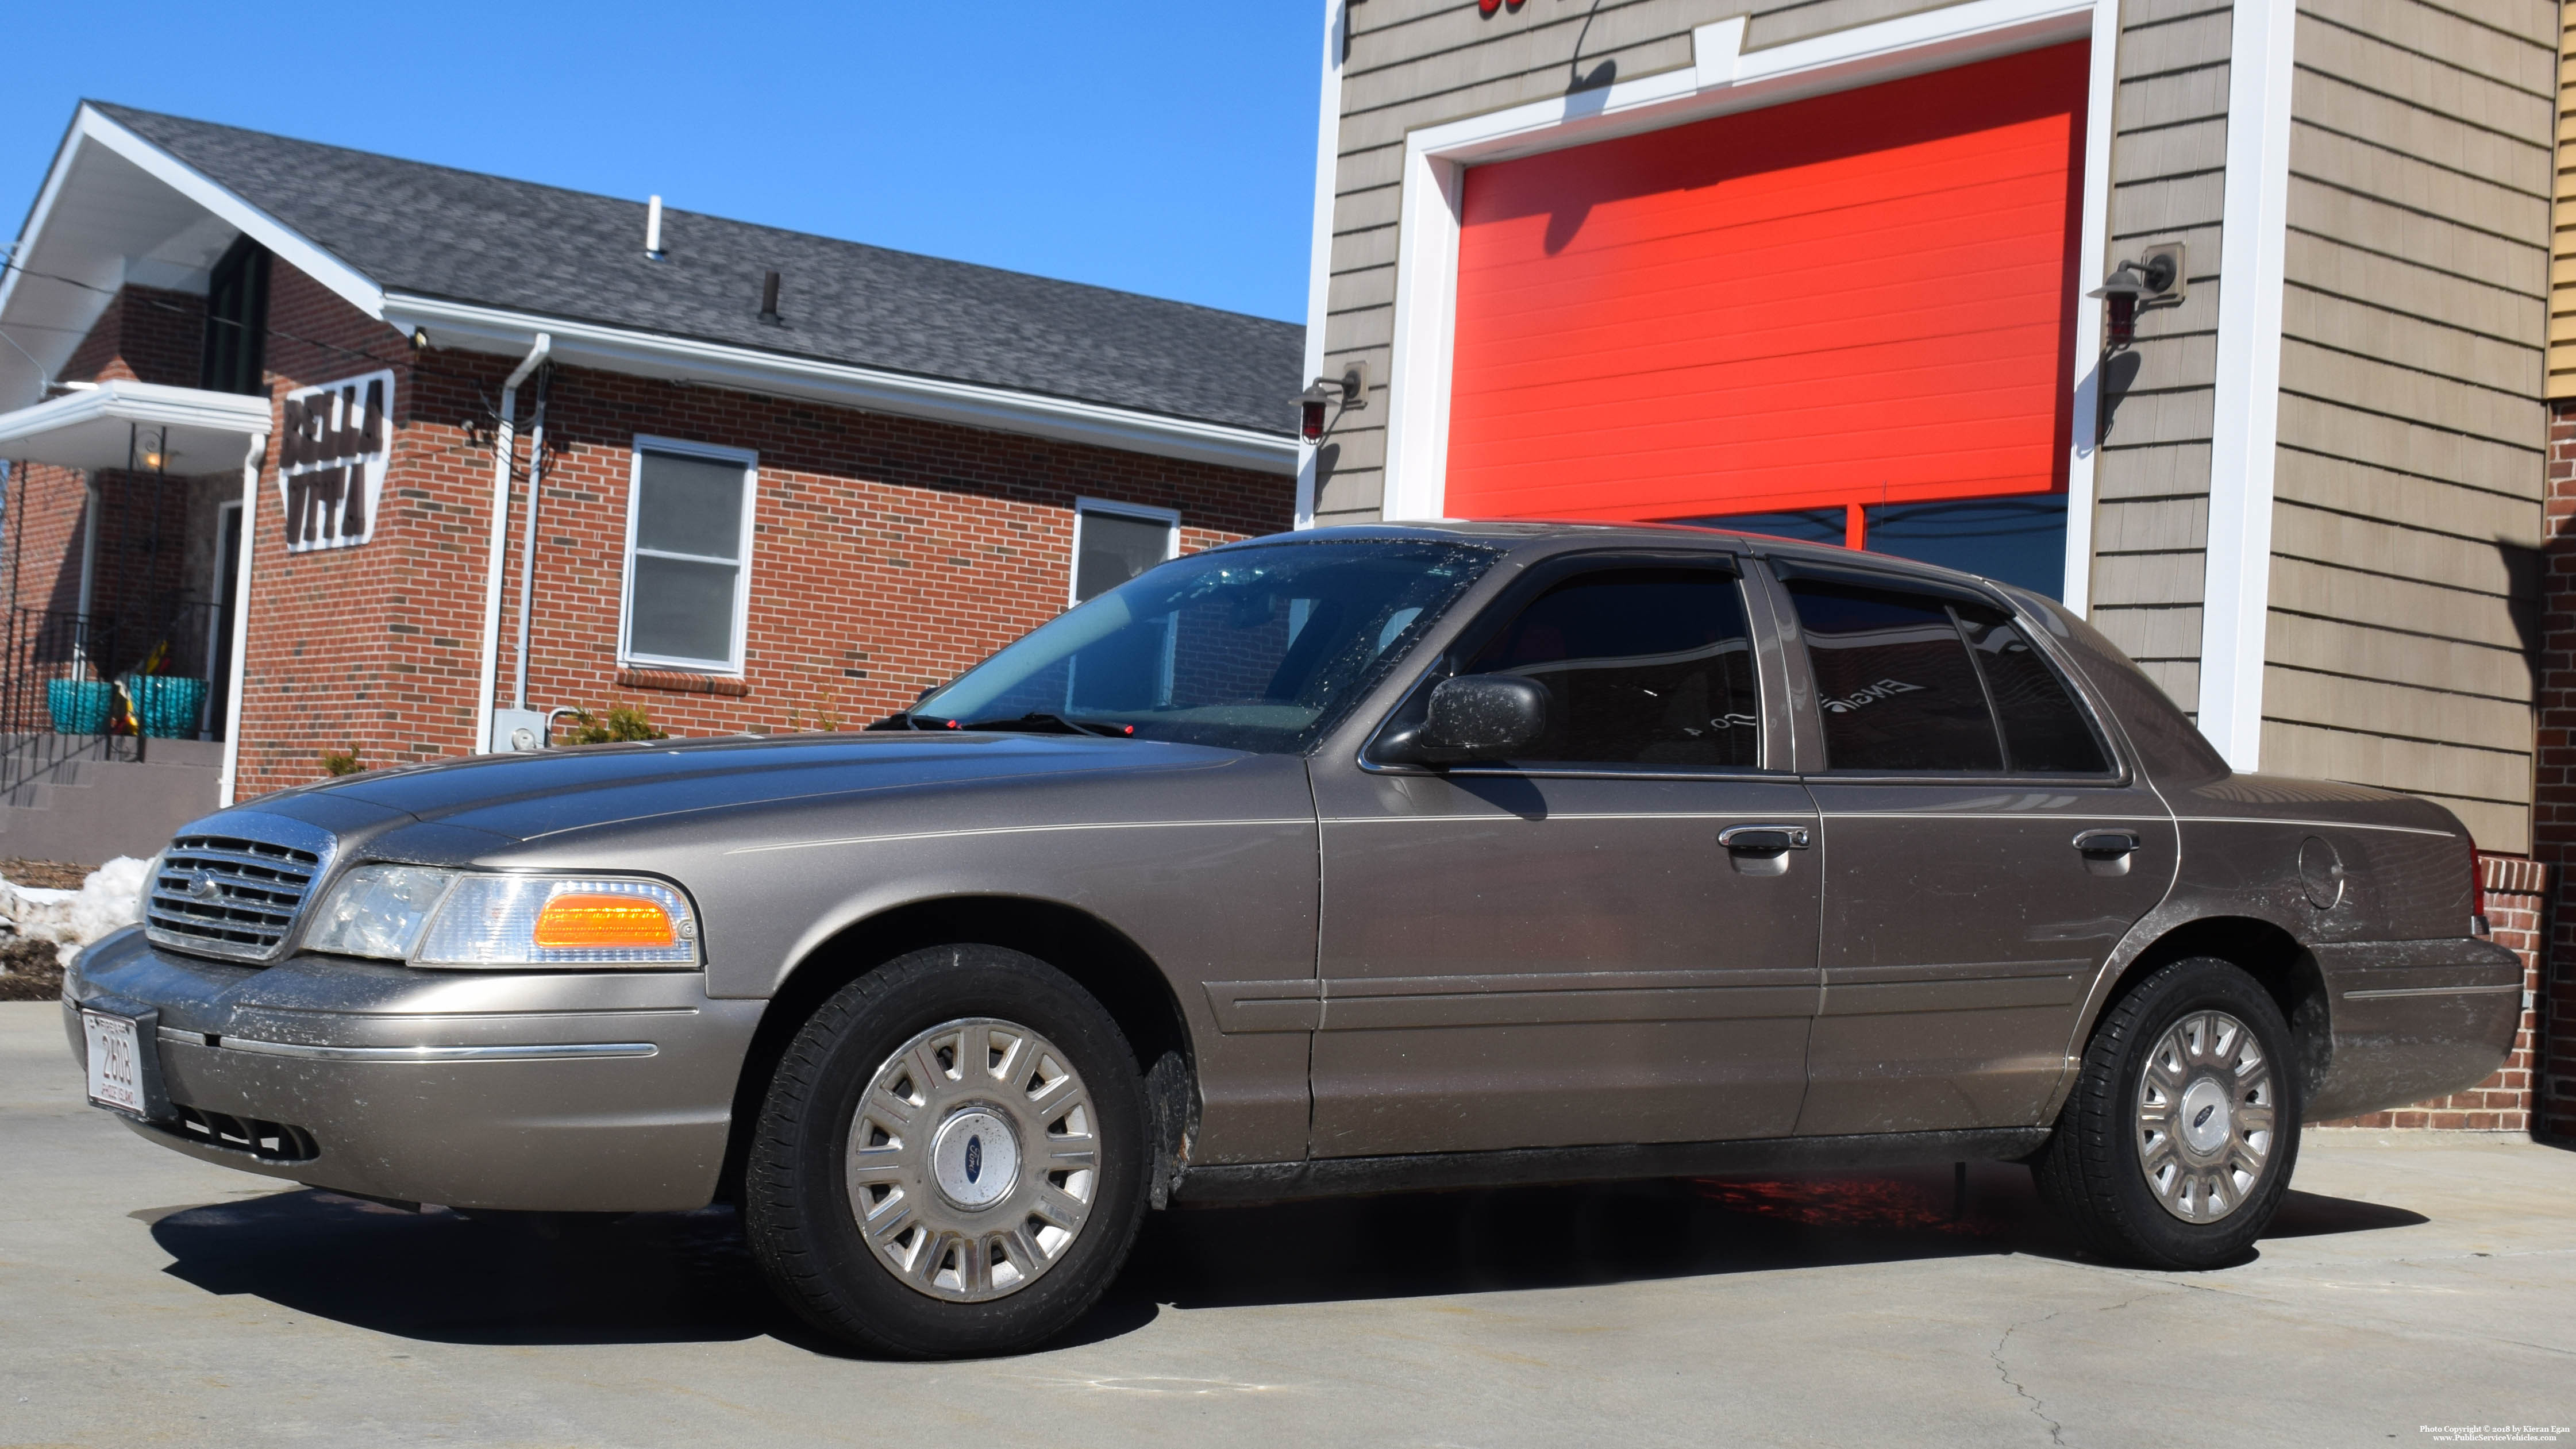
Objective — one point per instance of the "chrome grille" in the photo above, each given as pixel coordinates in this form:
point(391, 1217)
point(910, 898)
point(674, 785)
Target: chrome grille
point(232, 895)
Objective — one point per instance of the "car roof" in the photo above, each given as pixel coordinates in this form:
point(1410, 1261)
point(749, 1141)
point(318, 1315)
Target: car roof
point(1540, 537)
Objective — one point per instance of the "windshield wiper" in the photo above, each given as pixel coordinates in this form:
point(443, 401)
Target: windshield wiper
point(1040, 722)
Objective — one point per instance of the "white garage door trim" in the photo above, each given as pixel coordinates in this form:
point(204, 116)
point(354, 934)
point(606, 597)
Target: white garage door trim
point(1722, 78)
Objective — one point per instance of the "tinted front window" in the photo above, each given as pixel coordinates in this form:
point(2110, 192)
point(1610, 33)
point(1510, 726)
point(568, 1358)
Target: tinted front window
point(2044, 731)
point(1258, 648)
point(1642, 666)
point(1894, 680)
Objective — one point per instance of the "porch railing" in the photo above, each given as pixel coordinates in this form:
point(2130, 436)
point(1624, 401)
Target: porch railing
point(102, 686)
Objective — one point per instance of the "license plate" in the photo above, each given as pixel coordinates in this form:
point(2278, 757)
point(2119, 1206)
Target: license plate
point(115, 1062)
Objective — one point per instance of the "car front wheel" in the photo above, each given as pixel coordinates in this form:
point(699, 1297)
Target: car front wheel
point(2183, 1128)
point(951, 1159)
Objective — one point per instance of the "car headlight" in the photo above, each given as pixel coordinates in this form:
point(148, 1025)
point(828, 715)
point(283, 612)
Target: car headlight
point(447, 918)
point(378, 910)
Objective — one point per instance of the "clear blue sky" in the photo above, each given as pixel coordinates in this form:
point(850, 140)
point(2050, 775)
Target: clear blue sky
point(1151, 145)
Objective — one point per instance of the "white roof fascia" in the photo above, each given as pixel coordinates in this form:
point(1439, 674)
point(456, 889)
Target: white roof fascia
point(615, 349)
point(55, 176)
point(290, 246)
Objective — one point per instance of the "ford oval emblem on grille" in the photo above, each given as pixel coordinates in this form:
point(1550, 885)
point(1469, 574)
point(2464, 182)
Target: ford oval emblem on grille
point(201, 885)
point(974, 1158)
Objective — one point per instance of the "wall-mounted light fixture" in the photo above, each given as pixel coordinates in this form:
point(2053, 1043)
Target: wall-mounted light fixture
point(1350, 390)
point(2155, 277)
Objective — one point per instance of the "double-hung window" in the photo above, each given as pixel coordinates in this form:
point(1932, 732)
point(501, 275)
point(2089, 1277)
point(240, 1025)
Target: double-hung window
point(688, 555)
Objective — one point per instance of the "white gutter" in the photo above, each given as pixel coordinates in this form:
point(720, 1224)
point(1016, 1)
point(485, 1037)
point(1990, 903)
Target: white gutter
point(227, 784)
point(504, 444)
point(973, 405)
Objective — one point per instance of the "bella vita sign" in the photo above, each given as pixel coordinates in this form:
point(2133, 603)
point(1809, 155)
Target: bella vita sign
point(331, 460)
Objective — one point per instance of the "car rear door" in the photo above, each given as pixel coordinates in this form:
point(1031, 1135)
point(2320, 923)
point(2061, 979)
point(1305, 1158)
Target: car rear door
point(1984, 849)
point(1558, 951)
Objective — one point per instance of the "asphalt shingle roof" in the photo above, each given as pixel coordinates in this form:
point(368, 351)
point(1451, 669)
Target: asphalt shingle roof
point(463, 236)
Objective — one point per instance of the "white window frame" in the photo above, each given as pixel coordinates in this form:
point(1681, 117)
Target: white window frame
point(1170, 518)
point(683, 448)
point(1724, 78)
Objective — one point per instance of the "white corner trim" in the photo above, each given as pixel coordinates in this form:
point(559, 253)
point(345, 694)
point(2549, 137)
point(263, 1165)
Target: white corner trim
point(290, 246)
point(1319, 252)
point(717, 364)
point(2236, 592)
point(2092, 258)
point(1722, 78)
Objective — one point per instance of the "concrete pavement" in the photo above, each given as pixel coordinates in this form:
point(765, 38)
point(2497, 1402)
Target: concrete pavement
point(147, 1299)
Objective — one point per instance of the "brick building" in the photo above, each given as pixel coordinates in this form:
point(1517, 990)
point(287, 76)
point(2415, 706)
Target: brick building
point(503, 449)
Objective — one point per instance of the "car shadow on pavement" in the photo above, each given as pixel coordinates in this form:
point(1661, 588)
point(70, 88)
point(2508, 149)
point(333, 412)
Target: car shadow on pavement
point(689, 1277)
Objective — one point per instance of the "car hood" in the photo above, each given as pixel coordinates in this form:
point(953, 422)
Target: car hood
point(528, 797)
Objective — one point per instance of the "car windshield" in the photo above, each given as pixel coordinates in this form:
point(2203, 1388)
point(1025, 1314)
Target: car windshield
point(1257, 648)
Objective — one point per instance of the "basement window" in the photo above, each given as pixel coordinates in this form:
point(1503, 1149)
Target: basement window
point(1114, 542)
point(688, 555)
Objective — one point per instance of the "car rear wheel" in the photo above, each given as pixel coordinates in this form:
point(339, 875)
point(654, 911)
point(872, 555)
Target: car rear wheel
point(951, 1160)
point(2183, 1128)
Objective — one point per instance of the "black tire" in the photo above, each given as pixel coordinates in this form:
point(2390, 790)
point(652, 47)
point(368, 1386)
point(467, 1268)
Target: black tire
point(2094, 1167)
point(797, 1204)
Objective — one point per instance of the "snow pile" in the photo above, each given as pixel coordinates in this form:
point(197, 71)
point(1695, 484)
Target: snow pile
point(111, 899)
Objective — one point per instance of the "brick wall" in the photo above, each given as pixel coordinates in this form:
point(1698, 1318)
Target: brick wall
point(2554, 801)
point(146, 335)
point(887, 553)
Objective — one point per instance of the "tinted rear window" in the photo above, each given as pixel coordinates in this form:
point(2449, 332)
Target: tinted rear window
point(1897, 689)
point(1914, 683)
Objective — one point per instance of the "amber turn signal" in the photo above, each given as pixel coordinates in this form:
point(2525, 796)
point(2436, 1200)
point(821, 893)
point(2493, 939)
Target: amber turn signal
point(579, 922)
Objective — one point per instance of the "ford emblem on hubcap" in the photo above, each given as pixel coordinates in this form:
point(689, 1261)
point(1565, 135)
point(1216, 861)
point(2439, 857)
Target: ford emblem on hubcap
point(974, 1158)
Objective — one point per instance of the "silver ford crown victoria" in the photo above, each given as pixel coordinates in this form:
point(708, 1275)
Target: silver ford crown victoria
point(1356, 860)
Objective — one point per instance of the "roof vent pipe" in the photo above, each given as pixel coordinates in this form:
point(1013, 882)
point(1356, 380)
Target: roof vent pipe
point(769, 297)
point(653, 228)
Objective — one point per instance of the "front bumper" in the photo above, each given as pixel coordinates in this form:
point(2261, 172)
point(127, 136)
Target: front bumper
point(556, 1091)
point(2414, 1020)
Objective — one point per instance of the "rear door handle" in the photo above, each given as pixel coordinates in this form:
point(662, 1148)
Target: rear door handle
point(2108, 842)
point(1763, 839)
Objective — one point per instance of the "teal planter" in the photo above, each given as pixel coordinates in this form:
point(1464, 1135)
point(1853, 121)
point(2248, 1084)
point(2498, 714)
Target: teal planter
point(166, 705)
point(79, 706)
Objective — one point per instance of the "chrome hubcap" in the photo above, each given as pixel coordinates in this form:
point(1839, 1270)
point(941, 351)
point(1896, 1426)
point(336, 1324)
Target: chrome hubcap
point(973, 1160)
point(2206, 1117)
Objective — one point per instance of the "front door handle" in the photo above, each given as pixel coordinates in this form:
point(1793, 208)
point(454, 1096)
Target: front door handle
point(2107, 843)
point(1763, 839)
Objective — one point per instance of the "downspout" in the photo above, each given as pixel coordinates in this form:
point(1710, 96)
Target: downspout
point(504, 444)
point(528, 539)
point(227, 784)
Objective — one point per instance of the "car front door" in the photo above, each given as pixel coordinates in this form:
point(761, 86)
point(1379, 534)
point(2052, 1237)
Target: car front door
point(1983, 851)
point(1559, 951)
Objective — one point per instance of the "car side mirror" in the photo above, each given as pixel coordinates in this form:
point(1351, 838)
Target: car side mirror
point(1477, 717)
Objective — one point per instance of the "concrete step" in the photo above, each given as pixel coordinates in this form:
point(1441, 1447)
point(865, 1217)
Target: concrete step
point(86, 809)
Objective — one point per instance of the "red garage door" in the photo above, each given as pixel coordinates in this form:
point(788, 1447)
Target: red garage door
point(1862, 298)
